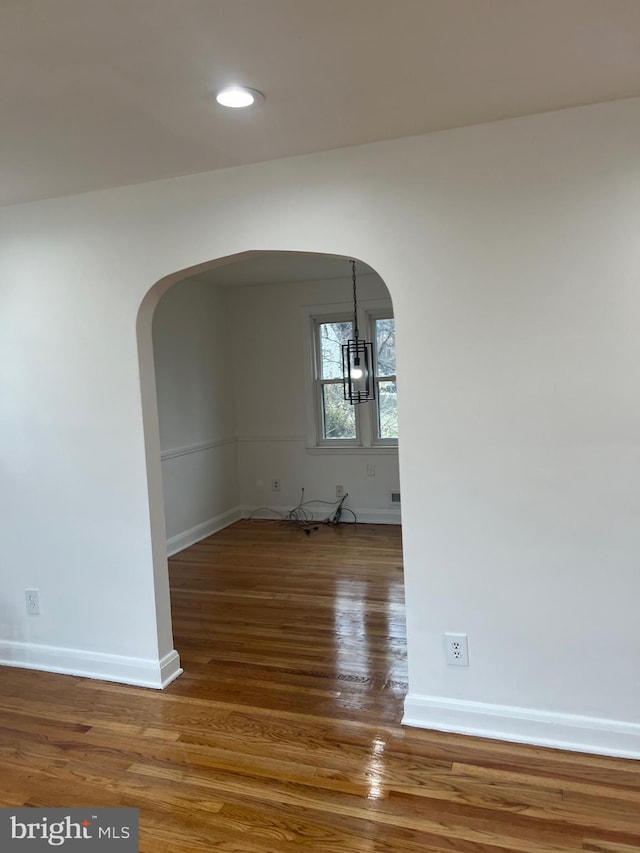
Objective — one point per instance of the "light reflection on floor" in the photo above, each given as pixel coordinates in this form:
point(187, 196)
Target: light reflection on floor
point(375, 770)
point(358, 623)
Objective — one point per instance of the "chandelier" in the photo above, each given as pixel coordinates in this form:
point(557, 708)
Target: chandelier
point(358, 381)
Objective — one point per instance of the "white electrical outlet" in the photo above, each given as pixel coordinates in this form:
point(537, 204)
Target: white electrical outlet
point(371, 470)
point(32, 600)
point(457, 649)
point(275, 485)
point(339, 491)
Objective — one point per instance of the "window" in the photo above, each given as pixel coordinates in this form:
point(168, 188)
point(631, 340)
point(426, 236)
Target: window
point(337, 415)
point(338, 423)
point(384, 336)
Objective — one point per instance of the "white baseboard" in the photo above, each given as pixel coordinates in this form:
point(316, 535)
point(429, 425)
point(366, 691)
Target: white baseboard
point(189, 537)
point(170, 668)
point(364, 516)
point(523, 725)
point(377, 516)
point(143, 672)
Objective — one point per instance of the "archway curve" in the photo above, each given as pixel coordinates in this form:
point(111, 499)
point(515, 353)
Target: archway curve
point(151, 421)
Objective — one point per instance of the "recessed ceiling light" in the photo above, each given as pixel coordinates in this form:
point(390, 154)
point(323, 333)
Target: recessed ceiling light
point(238, 97)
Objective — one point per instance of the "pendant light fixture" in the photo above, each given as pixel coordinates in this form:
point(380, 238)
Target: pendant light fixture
point(358, 381)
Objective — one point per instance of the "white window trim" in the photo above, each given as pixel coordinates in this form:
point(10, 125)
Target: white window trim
point(366, 428)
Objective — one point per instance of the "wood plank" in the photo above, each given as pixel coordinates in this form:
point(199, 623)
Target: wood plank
point(284, 732)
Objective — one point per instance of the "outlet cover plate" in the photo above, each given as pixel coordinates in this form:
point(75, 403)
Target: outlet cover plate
point(32, 601)
point(456, 649)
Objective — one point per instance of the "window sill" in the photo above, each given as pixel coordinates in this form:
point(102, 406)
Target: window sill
point(353, 449)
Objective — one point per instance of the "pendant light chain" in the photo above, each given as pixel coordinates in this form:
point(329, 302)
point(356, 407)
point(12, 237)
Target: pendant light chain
point(355, 301)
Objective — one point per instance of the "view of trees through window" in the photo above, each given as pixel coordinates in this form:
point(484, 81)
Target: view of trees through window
point(338, 415)
point(385, 340)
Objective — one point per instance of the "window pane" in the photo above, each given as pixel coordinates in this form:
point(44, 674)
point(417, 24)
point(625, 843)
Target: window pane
point(386, 346)
point(332, 337)
point(387, 410)
point(338, 416)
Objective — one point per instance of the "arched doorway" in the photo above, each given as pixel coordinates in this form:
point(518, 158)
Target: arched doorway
point(207, 469)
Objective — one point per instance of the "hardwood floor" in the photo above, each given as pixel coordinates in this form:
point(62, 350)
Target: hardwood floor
point(284, 732)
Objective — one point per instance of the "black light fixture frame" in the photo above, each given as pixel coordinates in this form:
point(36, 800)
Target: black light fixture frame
point(357, 354)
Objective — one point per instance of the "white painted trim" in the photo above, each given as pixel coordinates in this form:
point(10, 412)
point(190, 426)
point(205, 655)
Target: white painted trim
point(322, 449)
point(353, 450)
point(170, 668)
point(378, 516)
point(196, 448)
point(195, 534)
point(143, 672)
point(524, 725)
point(364, 516)
point(266, 438)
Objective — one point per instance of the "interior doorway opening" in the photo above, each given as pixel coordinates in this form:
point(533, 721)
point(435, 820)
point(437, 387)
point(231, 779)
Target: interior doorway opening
point(242, 418)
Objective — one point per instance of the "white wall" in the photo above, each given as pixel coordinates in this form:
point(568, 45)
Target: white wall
point(511, 253)
point(270, 325)
point(195, 411)
point(219, 349)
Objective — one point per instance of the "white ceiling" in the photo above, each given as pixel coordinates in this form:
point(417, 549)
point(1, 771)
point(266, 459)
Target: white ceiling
point(100, 93)
point(281, 267)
